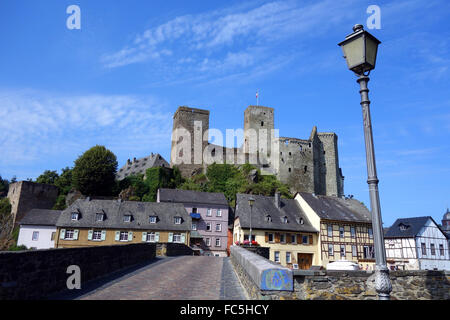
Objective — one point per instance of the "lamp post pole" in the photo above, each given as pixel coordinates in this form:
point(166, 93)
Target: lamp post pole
point(382, 282)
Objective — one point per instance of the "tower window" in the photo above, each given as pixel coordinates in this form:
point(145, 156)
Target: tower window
point(289, 169)
point(262, 123)
point(305, 169)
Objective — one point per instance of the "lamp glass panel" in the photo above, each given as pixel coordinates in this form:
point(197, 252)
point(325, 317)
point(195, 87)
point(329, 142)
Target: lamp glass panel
point(354, 52)
point(371, 51)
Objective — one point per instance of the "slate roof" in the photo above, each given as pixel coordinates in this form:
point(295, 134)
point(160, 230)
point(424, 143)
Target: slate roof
point(339, 209)
point(41, 217)
point(264, 206)
point(115, 210)
point(140, 166)
point(413, 227)
point(190, 196)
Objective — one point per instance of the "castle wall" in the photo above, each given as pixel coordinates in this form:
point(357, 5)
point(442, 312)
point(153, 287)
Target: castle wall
point(26, 195)
point(260, 119)
point(328, 161)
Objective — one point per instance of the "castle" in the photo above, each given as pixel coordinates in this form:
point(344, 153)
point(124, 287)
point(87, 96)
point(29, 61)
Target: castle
point(307, 165)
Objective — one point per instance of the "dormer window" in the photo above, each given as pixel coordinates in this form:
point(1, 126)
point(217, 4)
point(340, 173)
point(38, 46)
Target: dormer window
point(302, 221)
point(403, 227)
point(268, 218)
point(152, 219)
point(177, 220)
point(99, 216)
point(74, 216)
point(285, 219)
point(127, 218)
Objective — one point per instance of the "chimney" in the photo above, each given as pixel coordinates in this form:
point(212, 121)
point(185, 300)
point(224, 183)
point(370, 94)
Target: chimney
point(277, 199)
point(128, 161)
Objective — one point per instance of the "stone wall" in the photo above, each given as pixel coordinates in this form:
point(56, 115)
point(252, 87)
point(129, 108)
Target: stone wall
point(348, 285)
point(262, 251)
point(26, 195)
point(36, 274)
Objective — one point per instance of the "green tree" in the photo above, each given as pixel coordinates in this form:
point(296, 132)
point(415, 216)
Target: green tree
point(64, 181)
point(4, 187)
point(159, 178)
point(48, 177)
point(94, 172)
point(140, 188)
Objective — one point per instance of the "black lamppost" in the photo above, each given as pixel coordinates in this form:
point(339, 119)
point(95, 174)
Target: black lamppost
point(360, 51)
point(251, 201)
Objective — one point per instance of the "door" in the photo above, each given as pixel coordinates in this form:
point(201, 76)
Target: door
point(304, 260)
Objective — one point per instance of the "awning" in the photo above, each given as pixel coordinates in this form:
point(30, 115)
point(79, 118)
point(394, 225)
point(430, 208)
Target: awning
point(195, 215)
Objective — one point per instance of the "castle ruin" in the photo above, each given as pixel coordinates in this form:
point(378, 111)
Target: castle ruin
point(307, 165)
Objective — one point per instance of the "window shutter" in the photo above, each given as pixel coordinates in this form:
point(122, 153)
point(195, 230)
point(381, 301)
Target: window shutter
point(75, 234)
point(117, 238)
point(130, 236)
point(299, 239)
point(277, 237)
point(156, 236)
point(170, 237)
point(310, 239)
point(183, 238)
point(288, 238)
point(103, 235)
point(62, 233)
point(90, 232)
point(144, 236)
point(267, 237)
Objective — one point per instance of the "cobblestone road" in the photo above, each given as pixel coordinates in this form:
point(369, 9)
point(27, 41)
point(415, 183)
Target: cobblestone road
point(176, 278)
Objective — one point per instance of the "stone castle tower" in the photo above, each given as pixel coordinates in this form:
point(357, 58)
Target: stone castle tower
point(308, 165)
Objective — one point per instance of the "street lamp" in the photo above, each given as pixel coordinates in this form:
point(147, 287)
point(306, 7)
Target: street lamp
point(360, 51)
point(251, 201)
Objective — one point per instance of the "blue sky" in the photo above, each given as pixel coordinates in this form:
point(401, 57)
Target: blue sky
point(118, 80)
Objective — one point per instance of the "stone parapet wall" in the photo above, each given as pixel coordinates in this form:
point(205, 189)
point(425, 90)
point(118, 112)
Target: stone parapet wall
point(36, 274)
point(344, 285)
point(173, 249)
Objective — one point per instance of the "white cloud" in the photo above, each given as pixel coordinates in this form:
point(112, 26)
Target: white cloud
point(38, 127)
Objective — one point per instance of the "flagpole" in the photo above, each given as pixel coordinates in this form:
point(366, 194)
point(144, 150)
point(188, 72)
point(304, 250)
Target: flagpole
point(257, 97)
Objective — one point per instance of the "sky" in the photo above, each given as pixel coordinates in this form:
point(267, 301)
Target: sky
point(118, 80)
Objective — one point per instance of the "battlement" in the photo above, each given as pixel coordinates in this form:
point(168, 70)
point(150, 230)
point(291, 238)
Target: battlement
point(187, 109)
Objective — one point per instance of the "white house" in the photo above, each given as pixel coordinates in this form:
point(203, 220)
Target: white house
point(416, 244)
point(38, 229)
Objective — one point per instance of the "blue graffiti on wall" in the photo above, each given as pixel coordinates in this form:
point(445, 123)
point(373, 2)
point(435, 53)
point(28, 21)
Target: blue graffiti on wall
point(276, 279)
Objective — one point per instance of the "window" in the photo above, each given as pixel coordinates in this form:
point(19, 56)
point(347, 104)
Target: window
point(330, 230)
point(219, 213)
point(353, 232)
point(342, 250)
point(194, 225)
point(270, 237)
point(218, 227)
point(288, 257)
point(293, 238)
point(285, 220)
point(208, 242)
point(370, 231)
point(341, 232)
point(305, 239)
point(74, 216)
point(97, 235)
point(208, 226)
point(330, 250)
point(35, 236)
point(217, 242)
point(69, 234)
point(152, 219)
point(268, 218)
point(208, 212)
point(177, 220)
point(368, 252)
point(194, 210)
point(262, 123)
point(424, 248)
point(53, 236)
point(123, 236)
point(277, 256)
point(127, 218)
point(289, 169)
point(433, 249)
point(282, 238)
point(441, 249)
point(246, 237)
point(354, 251)
point(99, 217)
point(177, 237)
point(302, 221)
